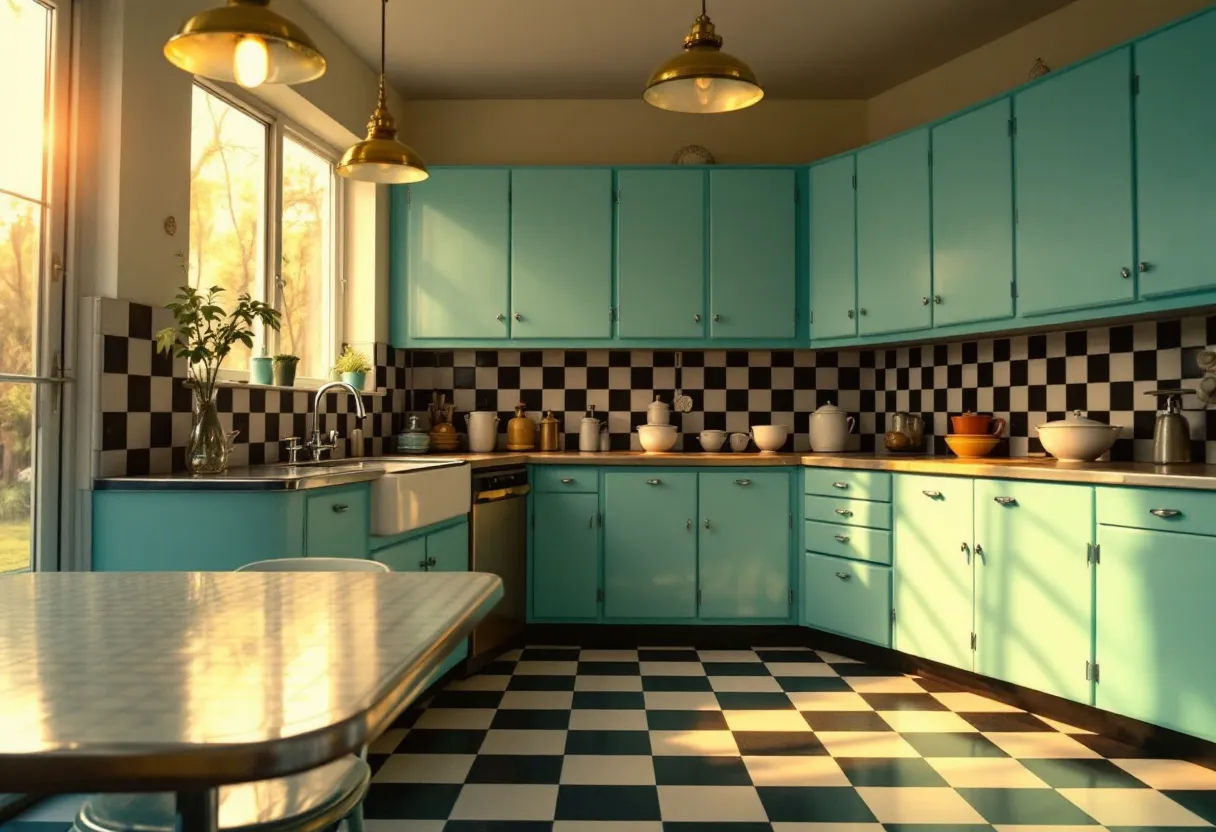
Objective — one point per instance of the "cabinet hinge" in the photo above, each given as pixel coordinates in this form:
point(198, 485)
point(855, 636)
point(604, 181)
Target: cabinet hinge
point(1013, 289)
point(797, 317)
point(600, 518)
point(892, 615)
point(1093, 553)
point(1013, 126)
point(1091, 672)
point(698, 597)
point(810, 317)
point(854, 181)
point(791, 597)
point(1097, 553)
point(973, 641)
point(599, 595)
point(1135, 85)
point(616, 196)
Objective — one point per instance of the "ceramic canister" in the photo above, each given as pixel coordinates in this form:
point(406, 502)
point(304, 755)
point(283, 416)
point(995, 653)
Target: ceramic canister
point(830, 429)
point(483, 430)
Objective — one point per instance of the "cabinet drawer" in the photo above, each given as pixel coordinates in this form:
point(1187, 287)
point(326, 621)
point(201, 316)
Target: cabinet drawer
point(846, 597)
point(858, 543)
point(838, 482)
point(850, 512)
point(1158, 508)
point(573, 479)
point(338, 523)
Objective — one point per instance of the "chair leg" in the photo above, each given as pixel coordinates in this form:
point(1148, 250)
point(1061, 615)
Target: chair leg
point(354, 820)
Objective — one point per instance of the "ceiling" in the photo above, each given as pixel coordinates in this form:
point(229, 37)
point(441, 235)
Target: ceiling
point(607, 48)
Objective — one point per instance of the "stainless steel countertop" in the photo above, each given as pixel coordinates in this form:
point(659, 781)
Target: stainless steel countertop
point(280, 476)
point(165, 680)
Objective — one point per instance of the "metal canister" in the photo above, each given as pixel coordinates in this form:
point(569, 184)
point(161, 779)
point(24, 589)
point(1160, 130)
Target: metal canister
point(550, 439)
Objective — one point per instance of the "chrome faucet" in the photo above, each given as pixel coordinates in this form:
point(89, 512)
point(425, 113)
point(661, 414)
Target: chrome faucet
point(315, 443)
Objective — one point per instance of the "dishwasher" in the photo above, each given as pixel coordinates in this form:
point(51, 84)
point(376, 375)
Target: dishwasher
point(500, 547)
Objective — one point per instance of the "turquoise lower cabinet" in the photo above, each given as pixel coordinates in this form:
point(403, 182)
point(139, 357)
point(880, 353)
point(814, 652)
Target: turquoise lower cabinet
point(565, 576)
point(847, 511)
point(847, 597)
point(1175, 172)
point(744, 545)
point(650, 545)
point(932, 561)
point(1155, 621)
point(447, 550)
point(973, 217)
point(833, 244)
point(406, 556)
point(1033, 584)
point(338, 522)
point(660, 253)
point(1073, 180)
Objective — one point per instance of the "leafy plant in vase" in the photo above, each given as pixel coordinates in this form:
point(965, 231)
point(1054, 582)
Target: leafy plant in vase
point(204, 334)
point(354, 367)
point(285, 370)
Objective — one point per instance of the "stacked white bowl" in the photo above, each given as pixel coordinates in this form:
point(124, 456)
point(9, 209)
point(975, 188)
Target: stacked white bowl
point(658, 434)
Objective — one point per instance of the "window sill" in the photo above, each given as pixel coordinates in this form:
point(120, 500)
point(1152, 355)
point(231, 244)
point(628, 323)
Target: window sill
point(305, 386)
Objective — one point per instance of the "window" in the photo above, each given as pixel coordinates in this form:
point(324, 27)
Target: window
point(280, 250)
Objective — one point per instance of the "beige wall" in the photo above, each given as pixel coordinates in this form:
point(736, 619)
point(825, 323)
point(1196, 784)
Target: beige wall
point(539, 132)
point(1076, 31)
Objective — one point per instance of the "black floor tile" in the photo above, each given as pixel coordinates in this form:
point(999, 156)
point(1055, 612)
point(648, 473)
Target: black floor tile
point(608, 803)
point(608, 700)
point(754, 702)
point(497, 668)
point(686, 721)
point(1202, 803)
point(999, 723)
point(608, 742)
point(701, 771)
point(853, 669)
point(779, 744)
point(833, 804)
point(1039, 807)
point(799, 684)
point(467, 699)
point(515, 768)
point(903, 702)
point(374, 762)
point(875, 771)
point(931, 685)
point(846, 721)
point(410, 801)
point(541, 683)
point(1112, 749)
point(497, 826)
point(550, 654)
point(408, 717)
point(691, 826)
point(608, 669)
point(954, 745)
point(427, 741)
point(1082, 774)
point(789, 656)
point(735, 669)
point(675, 683)
point(939, 827)
point(531, 720)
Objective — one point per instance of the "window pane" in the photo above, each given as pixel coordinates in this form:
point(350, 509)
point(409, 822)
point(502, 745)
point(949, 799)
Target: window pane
point(20, 261)
point(307, 268)
point(24, 29)
point(16, 475)
point(227, 204)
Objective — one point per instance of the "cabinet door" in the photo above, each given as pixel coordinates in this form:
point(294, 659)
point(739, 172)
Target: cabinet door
point(893, 256)
point(448, 550)
point(932, 581)
point(1032, 584)
point(752, 254)
point(846, 597)
point(1176, 184)
point(744, 551)
point(339, 520)
point(408, 556)
point(660, 253)
point(1155, 621)
point(973, 217)
point(650, 547)
point(561, 253)
point(833, 218)
point(1073, 169)
point(458, 242)
point(565, 556)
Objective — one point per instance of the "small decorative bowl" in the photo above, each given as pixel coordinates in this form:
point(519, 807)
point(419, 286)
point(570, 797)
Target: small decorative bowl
point(970, 446)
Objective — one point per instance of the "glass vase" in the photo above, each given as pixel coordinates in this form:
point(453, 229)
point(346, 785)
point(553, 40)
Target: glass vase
point(207, 452)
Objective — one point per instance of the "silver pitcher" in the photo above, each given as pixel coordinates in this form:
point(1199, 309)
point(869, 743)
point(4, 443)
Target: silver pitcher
point(906, 432)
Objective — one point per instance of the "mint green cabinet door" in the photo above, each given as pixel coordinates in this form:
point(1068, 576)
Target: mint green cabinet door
point(847, 597)
point(458, 243)
point(744, 546)
point(565, 556)
point(894, 268)
point(1176, 184)
point(561, 253)
point(1073, 175)
point(752, 254)
point(1033, 584)
point(650, 545)
point(447, 550)
point(407, 556)
point(932, 562)
point(973, 217)
point(833, 243)
point(339, 520)
point(1155, 621)
point(660, 253)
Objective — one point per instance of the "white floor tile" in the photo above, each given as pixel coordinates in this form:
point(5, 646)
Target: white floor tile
point(536, 700)
point(625, 684)
point(607, 720)
point(608, 655)
point(1029, 745)
point(607, 770)
point(387, 742)
point(800, 669)
point(693, 744)
point(371, 825)
point(546, 668)
point(477, 719)
point(828, 701)
point(507, 741)
point(727, 656)
point(835, 658)
point(919, 805)
point(936, 722)
point(717, 804)
point(672, 669)
point(795, 771)
point(665, 700)
point(480, 682)
point(744, 684)
point(866, 744)
point(971, 703)
point(770, 720)
point(479, 801)
point(986, 773)
point(883, 684)
point(1064, 727)
point(1170, 774)
point(607, 826)
point(425, 768)
point(1131, 807)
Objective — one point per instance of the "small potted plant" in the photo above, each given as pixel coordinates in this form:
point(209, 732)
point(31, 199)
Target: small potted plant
point(261, 369)
point(285, 370)
point(354, 367)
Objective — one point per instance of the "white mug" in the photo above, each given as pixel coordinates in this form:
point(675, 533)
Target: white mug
point(739, 441)
point(712, 440)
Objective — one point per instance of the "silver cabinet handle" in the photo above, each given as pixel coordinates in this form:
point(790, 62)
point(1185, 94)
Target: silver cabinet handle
point(979, 552)
point(932, 495)
point(518, 317)
point(422, 564)
point(840, 485)
point(341, 508)
point(937, 299)
point(840, 538)
point(863, 311)
point(966, 550)
point(654, 482)
point(844, 576)
point(431, 562)
point(744, 483)
point(1164, 512)
point(844, 512)
point(1126, 272)
point(707, 522)
point(717, 319)
point(688, 524)
point(696, 319)
point(850, 314)
point(1005, 501)
point(567, 480)
point(501, 317)
point(924, 301)
point(1144, 267)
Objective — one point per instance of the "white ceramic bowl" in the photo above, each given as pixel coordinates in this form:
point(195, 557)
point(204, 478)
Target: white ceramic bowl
point(712, 440)
point(770, 438)
point(657, 438)
point(1083, 442)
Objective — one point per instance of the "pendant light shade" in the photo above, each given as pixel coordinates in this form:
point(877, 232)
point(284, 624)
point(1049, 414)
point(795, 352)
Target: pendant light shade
point(247, 43)
point(381, 158)
point(703, 78)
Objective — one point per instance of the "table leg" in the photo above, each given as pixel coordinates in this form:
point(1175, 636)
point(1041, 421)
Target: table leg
point(198, 811)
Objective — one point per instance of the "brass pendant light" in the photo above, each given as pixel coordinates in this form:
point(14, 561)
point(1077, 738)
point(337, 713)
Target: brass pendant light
point(247, 43)
point(703, 78)
point(380, 157)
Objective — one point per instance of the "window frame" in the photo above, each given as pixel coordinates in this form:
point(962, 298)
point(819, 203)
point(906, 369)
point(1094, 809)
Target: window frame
point(278, 129)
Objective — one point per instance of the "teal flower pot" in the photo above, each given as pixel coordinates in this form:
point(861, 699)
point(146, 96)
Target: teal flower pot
point(355, 380)
point(261, 370)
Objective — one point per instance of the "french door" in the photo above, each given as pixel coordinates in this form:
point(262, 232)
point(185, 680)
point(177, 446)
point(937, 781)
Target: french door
point(34, 61)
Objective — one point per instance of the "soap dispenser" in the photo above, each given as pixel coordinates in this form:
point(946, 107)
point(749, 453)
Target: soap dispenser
point(589, 432)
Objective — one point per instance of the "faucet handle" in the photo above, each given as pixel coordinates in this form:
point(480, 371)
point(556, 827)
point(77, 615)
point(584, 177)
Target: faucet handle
point(293, 448)
point(332, 438)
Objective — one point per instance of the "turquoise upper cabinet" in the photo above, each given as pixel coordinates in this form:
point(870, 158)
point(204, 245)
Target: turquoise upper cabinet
point(894, 263)
point(833, 218)
point(752, 254)
point(1073, 173)
point(744, 531)
point(458, 242)
point(660, 253)
point(973, 217)
point(565, 571)
point(561, 253)
point(650, 545)
point(1175, 135)
point(1032, 584)
point(932, 582)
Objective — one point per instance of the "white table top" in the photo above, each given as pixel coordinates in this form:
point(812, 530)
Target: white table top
point(188, 678)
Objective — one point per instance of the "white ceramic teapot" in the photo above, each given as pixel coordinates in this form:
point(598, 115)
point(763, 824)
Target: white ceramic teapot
point(830, 429)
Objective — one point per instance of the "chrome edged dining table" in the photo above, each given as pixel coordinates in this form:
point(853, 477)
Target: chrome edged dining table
point(186, 681)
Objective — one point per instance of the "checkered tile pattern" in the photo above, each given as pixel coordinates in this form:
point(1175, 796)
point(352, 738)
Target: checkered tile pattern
point(653, 738)
point(142, 413)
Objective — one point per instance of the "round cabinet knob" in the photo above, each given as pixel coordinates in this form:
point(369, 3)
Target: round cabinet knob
point(937, 299)
point(696, 319)
point(1144, 266)
point(924, 301)
point(1125, 271)
point(850, 314)
point(863, 311)
point(717, 319)
point(501, 317)
point(518, 317)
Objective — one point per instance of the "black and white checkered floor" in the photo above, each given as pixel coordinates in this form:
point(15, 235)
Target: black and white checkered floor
point(565, 739)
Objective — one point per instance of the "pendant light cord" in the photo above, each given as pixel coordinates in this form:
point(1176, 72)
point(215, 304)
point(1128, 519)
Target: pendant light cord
point(384, 29)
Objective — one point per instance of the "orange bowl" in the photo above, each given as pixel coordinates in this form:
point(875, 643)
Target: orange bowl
point(971, 447)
